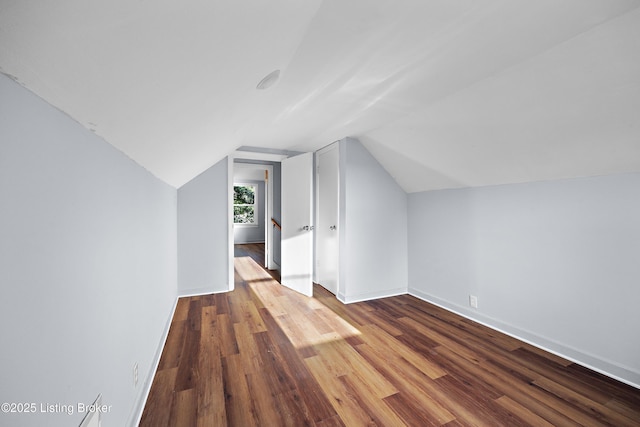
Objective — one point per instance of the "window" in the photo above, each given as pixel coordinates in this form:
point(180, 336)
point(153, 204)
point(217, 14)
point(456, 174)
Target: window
point(244, 204)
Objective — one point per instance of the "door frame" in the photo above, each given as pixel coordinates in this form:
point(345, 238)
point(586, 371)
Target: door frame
point(268, 205)
point(249, 155)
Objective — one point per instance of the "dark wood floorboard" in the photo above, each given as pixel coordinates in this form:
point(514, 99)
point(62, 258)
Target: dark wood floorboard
point(266, 356)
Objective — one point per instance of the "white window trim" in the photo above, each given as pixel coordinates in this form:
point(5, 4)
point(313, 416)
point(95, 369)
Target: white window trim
point(256, 216)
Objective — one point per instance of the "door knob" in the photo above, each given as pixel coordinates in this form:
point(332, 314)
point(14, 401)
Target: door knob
point(333, 227)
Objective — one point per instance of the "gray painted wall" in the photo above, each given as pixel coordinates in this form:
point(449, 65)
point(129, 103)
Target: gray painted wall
point(203, 243)
point(373, 227)
point(253, 234)
point(87, 266)
point(555, 263)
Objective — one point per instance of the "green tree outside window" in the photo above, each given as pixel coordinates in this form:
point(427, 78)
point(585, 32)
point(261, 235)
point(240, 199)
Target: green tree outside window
point(244, 204)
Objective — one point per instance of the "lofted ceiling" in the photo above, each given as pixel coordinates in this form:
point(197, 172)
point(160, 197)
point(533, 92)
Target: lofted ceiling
point(444, 93)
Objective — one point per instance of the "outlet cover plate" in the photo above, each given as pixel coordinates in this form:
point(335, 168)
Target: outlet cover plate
point(473, 301)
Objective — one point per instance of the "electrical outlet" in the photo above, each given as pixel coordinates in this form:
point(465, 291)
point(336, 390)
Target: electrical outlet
point(473, 301)
point(135, 374)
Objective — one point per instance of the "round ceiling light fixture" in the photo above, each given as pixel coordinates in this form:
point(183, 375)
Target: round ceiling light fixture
point(269, 80)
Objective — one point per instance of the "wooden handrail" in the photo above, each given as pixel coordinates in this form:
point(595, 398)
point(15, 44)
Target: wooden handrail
point(275, 224)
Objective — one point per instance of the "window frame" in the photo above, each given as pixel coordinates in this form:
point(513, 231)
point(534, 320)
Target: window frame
point(256, 216)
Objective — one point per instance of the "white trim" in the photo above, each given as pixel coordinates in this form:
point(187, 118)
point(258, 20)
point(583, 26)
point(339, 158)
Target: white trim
point(245, 225)
point(256, 203)
point(230, 236)
point(268, 227)
point(368, 296)
point(142, 399)
point(594, 363)
point(242, 155)
point(249, 242)
point(196, 292)
point(267, 157)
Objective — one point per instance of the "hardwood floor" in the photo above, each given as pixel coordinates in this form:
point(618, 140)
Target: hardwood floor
point(266, 356)
point(256, 252)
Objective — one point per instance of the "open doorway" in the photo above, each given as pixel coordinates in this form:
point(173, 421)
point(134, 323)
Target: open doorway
point(295, 243)
point(254, 209)
point(255, 212)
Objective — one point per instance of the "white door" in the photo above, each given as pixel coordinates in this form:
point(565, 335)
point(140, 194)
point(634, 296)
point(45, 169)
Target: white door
point(297, 228)
point(327, 247)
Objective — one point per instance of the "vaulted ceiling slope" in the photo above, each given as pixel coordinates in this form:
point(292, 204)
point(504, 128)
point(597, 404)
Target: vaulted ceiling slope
point(444, 93)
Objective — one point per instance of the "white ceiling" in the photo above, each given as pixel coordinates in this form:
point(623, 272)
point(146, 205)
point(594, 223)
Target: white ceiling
point(444, 93)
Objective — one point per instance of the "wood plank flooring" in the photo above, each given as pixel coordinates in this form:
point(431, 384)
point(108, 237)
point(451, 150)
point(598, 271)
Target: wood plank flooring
point(266, 356)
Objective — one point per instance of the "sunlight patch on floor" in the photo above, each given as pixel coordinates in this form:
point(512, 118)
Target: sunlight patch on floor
point(306, 321)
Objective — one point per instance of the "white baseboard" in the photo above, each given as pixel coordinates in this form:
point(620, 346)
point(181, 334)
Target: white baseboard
point(142, 399)
point(371, 295)
point(195, 292)
point(595, 363)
